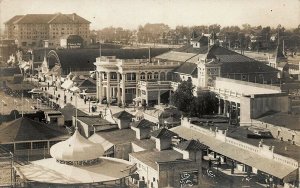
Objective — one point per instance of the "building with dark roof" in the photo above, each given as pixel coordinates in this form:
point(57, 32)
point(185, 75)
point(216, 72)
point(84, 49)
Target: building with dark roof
point(89, 125)
point(123, 119)
point(24, 133)
point(50, 27)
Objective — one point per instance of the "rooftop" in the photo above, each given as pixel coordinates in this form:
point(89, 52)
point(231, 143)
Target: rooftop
point(187, 68)
point(118, 136)
point(143, 124)
point(240, 133)
point(290, 121)
point(191, 145)
point(25, 129)
point(163, 133)
point(48, 19)
point(76, 148)
point(123, 115)
point(151, 157)
point(97, 122)
point(240, 154)
point(147, 144)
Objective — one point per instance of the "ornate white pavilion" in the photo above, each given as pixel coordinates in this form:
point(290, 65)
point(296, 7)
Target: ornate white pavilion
point(75, 162)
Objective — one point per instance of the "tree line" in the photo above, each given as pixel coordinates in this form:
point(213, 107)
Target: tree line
point(245, 36)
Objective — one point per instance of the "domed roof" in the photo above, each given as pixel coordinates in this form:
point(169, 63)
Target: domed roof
point(76, 148)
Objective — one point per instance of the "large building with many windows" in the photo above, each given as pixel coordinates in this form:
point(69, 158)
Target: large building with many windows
point(31, 30)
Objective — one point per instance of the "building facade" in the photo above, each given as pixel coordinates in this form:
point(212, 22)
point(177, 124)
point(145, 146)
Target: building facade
point(32, 29)
point(126, 80)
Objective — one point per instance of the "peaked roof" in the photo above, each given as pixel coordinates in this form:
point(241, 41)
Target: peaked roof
point(13, 19)
point(163, 133)
point(187, 68)
point(123, 115)
point(25, 129)
point(143, 124)
point(47, 18)
point(191, 145)
point(90, 82)
point(76, 148)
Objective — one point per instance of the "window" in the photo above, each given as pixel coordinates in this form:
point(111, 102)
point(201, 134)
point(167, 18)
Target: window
point(143, 76)
point(156, 75)
point(149, 75)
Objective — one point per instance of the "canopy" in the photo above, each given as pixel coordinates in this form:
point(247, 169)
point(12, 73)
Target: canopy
point(50, 171)
point(76, 148)
point(67, 84)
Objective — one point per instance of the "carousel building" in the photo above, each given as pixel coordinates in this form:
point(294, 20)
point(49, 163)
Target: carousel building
point(76, 162)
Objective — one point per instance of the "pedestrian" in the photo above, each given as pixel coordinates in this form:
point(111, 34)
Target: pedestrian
point(71, 98)
point(48, 85)
point(84, 100)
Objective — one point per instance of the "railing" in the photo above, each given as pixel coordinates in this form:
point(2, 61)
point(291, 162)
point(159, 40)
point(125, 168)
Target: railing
point(157, 83)
point(226, 92)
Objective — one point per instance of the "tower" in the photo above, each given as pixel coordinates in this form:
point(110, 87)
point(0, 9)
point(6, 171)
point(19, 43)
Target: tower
point(208, 69)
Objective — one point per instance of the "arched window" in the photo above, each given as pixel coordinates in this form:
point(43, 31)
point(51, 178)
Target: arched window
point(149, 76)
point(156, 75)
point(143, 76)
point(169, 76)
point(162, 76)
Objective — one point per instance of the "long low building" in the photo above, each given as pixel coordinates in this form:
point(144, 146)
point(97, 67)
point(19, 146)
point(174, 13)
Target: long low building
point(262, 158)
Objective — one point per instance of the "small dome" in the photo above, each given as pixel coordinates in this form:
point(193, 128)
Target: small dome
point(76, 148)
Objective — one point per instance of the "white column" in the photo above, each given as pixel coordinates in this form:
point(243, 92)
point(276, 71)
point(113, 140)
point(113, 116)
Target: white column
point(123, 89)
point(118, 88)
point(225, 108)
point(100, 88)
point(147, 102)
point(158, 97)
point(108, 95)
point(219, 110)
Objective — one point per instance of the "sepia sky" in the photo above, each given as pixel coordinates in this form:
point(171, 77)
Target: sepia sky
point(131, 13)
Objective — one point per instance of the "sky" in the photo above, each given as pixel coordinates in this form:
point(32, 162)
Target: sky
point(130, 14)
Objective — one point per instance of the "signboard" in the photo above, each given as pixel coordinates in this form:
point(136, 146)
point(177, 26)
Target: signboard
point(188, 179)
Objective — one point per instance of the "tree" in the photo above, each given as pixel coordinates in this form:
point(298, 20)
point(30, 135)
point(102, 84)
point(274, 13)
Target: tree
point(205, 103)
point(183, 96)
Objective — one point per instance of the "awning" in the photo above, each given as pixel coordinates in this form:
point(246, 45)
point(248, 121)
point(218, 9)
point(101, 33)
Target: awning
point(74, 89)
point(67, 84)
point(50, 171)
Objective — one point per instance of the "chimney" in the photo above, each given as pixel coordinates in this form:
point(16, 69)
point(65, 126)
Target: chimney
point(163, 138)
point(73, 16)
point(142, 129)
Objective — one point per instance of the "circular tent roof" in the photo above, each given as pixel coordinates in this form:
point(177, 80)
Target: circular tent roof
point(76, 148)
